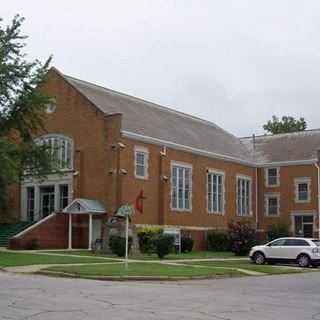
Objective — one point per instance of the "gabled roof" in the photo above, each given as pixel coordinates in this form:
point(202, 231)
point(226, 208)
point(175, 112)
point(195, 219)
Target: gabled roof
point(147, 119)
point(298, 147)
point(80, 206)
point(150, 122)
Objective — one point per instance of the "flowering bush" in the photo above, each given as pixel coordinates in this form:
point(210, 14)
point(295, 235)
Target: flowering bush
point(242, 237)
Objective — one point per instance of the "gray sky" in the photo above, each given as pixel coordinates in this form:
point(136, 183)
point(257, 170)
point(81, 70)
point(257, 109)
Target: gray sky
point(235, 63)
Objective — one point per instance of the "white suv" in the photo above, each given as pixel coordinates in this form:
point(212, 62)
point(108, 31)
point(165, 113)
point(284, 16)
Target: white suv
point(303, 251)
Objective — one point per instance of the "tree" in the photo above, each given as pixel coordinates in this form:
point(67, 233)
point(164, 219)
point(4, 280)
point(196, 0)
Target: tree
point(285, 125)
point(22, 104)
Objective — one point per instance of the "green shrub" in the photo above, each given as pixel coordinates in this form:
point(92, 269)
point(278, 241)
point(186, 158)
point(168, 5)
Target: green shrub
point(146, 236)
point(186, 244)
point(163, 244)
point(218, 241)
point(117, 245)
point(278, 231)
point(242, 237)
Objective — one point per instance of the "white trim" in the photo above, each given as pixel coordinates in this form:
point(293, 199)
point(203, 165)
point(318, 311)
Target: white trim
point(145, 152)
point(303, 213)
point(61, 138)
point(267, 196)
point(81, 203)
point(195, 228)
point(286, 163)
point(223, 175)
point(185, 166)
point(302, 180)
point(248, 178)
point(266, 177)
point(176, 146)
point(53, 214)
point(209, 154)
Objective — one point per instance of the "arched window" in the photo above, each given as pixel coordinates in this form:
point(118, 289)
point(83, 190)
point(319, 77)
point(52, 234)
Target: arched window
point(60, 149)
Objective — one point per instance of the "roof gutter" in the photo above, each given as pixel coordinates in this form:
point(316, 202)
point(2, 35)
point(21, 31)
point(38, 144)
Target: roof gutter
point(177, 146)
point(318, 170)
point(173, 145)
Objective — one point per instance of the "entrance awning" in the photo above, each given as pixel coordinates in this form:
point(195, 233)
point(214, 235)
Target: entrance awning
point(83, 206)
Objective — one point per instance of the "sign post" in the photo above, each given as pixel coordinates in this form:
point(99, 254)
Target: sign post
point(126, 211)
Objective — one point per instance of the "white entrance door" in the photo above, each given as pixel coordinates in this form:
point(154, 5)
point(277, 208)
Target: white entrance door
point(303, 226)
point(47, 198)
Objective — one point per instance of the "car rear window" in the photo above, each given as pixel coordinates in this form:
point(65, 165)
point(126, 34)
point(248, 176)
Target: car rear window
point(296, 243)
point(316, 242)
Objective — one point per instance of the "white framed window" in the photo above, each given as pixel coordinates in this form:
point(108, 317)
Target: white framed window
point(272, 204)
point(30, 203)
point(181, 186)
point(60, 149)
point(244, 196)
point(302, 189)
point(63, 196)
point(51, 106)
point(215, 191)
point(141, 162)
point(272, 177)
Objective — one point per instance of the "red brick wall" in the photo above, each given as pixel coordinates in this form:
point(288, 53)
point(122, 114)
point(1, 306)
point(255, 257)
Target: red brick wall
point(53, 234)
point(287, 195)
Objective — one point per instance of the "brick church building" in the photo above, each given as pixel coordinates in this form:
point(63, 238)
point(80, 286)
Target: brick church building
point(178, 170)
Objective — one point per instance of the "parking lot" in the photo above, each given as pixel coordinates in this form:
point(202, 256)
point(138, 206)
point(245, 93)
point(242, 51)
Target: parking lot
point(296, 296)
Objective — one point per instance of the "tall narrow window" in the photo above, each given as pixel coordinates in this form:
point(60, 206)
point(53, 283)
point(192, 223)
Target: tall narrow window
point(63, 196)
point(243, 196)
point(302, 189)
point(215, 187)
point(30, 203)
point(272, 177)
point(181, 187)
point(141, 162)
point(272, 204)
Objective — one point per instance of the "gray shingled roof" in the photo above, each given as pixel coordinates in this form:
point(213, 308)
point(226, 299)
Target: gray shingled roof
point(298, 146)
point(152, 120)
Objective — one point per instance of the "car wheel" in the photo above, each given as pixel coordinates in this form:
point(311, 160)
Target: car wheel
point(259, 258)
point(304, 261)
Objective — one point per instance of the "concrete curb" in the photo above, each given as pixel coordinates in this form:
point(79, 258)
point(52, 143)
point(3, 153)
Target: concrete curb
point(131, 278)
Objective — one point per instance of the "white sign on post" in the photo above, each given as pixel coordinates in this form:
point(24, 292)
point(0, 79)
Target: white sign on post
point(176, 233)
point(126, 211)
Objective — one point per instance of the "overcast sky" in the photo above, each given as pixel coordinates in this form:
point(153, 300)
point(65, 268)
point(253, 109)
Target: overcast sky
point(235, 63)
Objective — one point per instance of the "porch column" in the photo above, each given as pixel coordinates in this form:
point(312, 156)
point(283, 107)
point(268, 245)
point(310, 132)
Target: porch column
point(70, 232)
point(90, 232)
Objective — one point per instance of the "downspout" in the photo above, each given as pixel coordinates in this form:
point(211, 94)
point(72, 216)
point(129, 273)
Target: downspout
point(257, 198)
point(257, 187)
point(318, 194)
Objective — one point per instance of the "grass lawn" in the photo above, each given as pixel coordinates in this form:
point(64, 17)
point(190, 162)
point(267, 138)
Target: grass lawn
point(145, 269)
point(12, 259)
point(189, 255)
point(242, 264)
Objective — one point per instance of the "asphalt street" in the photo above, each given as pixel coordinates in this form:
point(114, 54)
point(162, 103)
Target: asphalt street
point(24, 297)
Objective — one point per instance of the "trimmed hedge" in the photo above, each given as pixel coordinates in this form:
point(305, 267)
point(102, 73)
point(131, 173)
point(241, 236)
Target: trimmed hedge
point(163, 244)
point(146, 236)
point(218, 241)
point(117, 245)
point(186, 244)
point(278, 231)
